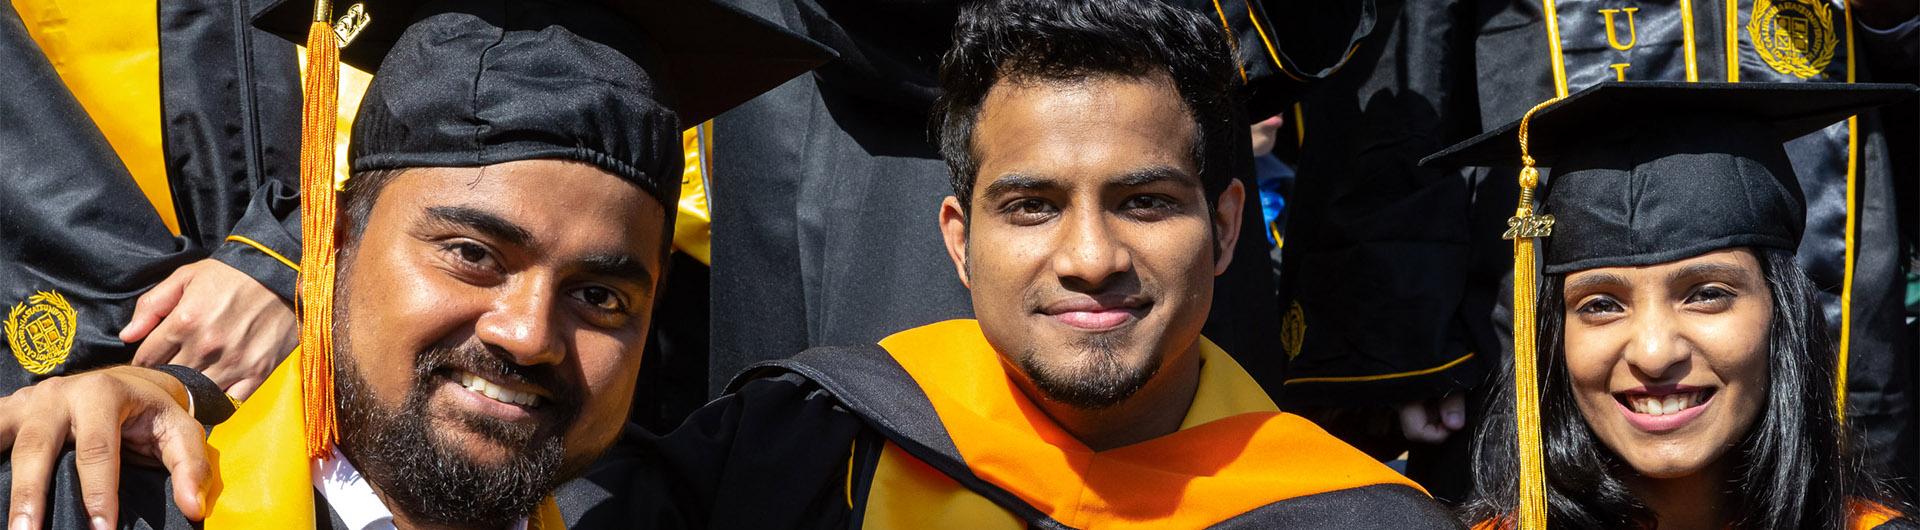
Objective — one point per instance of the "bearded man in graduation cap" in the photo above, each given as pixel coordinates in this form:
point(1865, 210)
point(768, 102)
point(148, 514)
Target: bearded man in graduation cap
point(500, 243)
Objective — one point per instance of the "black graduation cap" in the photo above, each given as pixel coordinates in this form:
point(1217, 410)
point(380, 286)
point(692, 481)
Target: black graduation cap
point(1646, 173)
point(609, 82)
point(1651, 172)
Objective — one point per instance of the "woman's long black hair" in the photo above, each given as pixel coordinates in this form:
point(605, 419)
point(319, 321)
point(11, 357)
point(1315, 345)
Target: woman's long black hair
point(1795, 470)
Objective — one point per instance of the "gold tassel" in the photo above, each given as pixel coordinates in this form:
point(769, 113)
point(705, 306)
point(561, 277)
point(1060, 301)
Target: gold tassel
point(1523, 229)
point(317, 202)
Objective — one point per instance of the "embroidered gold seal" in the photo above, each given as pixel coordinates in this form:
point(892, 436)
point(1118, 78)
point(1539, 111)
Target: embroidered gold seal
point(1793, 36)
point(1293, 330)
point(40, 329)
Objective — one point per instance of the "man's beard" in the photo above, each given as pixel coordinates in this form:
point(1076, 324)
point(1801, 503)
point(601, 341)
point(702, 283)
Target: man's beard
point(425, 477)
point(1100, 380)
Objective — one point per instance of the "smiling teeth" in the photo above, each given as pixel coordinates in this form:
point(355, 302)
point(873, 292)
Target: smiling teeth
point(498, 393)
point(1664, 405)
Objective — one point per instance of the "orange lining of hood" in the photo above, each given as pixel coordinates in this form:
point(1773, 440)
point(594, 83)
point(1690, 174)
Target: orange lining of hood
point(1234, 453)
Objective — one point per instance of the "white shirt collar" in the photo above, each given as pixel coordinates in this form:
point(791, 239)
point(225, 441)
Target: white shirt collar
point(353, 498)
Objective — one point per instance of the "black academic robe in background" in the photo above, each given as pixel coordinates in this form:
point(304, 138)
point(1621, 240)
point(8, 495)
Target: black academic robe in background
point(1382, 299)
point(1391, 271)
point(826, 191)
point(79, 242)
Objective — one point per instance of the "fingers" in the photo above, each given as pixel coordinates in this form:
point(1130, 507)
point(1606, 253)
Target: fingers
point(1432, 421)
point(163, 344)
point(160, 430)
point(1453, 412)
point(244, 329)
point(244, 388)
point(181, 442)
point(154, 306)
point(96, 453)
point(96, 458)
point(224, 324)
point(36, 448)
point(267, 344)
point(93, 407)
point(1418, 424)
point(11, 416)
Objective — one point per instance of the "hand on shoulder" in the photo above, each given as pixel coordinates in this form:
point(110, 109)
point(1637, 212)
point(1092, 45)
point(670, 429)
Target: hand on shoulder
point(102, 412)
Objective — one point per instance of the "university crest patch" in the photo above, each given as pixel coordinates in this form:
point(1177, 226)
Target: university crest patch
point(1293, 330)
point(40, 329)
point(1794, 37)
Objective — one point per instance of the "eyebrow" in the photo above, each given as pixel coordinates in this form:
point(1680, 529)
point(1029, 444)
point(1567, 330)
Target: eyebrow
point(617, 266)
point(1594, 280)
point(486, 222)
point(1014, 182)
point(1715, 270)
point(1150, 175)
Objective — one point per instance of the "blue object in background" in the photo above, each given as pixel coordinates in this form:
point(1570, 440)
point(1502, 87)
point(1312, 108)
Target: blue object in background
point(1275, 180)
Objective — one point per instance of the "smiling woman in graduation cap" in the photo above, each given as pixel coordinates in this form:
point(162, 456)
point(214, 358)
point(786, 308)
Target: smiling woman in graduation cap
point(1682, 377)
point(499, 244)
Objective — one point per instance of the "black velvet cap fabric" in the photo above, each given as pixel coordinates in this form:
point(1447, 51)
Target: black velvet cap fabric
point(1646, 173)
point(465, 83)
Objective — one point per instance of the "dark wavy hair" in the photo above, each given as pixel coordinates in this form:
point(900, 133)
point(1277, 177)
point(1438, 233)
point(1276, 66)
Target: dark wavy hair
point(1074, 40)
point(1796, 467)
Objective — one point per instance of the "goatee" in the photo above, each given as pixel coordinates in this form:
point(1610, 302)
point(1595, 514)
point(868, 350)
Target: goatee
point(1099, 381)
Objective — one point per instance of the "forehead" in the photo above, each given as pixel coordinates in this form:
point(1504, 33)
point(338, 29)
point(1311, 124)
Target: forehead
point(1734, 261)
point(554, 201)
point(1090, 127)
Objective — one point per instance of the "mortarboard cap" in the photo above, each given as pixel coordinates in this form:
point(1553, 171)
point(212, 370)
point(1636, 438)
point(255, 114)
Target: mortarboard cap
point(715, 55)
point(465, 83)
point(1647, 173)
point(1651, 172)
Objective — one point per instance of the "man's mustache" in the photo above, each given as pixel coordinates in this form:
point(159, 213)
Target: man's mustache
point(482, 361)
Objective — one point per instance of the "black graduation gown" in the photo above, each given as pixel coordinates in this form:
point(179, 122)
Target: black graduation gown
point(1376, 266)
point(79, 242)
point(824, 191)
point(796, 443)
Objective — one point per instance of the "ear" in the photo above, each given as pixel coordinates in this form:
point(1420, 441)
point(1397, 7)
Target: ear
point(1226, 224)
point(953, 228)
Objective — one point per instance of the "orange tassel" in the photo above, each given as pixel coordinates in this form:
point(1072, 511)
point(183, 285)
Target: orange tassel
point(317, 203)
